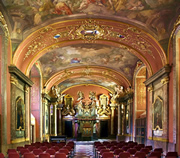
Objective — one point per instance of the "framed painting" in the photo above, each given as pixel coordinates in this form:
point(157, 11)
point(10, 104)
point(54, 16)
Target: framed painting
point(20, 114)
point(158, 114)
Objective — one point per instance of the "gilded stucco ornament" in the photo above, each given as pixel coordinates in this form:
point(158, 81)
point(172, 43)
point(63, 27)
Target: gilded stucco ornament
point(13, 80)
point(87, 71)
point(165, 80)
point(3, 22)
point(36, 46)
point(150, 89)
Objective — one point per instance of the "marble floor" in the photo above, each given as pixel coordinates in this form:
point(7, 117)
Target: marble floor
point(84, 149)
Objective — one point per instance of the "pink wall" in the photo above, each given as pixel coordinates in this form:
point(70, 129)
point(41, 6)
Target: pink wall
point(8, 96)
point(171, 99)
point(0, 73)
point(35, 103)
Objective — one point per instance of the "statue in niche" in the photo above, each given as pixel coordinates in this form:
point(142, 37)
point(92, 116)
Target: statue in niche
point(104, 109)
point(92, 96)
point(56, 91)
point(68, 111)
point(79, 105)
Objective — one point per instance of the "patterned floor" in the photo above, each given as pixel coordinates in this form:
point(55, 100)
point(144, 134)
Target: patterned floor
point(84, 150)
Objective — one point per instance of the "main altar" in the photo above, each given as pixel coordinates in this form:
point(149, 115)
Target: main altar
point(86, 114)
point(88, 117)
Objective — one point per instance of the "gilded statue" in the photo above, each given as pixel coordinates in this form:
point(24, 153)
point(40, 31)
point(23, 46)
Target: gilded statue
point(68, 111)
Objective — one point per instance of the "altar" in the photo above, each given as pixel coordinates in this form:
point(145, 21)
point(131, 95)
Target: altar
point(85, 116)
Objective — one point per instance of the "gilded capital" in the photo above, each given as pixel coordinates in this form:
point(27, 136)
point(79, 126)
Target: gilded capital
point(150, 89)
point(165, 80)
point(13, 80)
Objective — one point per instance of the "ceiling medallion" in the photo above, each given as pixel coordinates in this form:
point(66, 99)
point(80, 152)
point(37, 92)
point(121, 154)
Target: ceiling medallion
point(90, 30)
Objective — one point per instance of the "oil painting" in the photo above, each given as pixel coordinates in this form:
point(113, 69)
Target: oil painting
point(20, 114)
point(157, 114)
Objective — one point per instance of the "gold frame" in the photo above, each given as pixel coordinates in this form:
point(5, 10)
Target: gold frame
point(68, 97)
point(155, 102)
point(102, 97)
point(23, 111)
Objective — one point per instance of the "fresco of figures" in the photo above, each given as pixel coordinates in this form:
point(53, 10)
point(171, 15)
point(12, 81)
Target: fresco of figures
point(116, 58)
point(150, 12)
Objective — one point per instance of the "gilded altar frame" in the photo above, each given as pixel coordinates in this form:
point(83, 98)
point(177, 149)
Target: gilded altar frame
point(68, 100)
point(158, 114)
point(103, 98)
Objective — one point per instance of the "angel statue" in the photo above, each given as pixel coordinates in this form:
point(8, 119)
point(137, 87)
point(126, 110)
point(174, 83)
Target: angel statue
point(56, 91)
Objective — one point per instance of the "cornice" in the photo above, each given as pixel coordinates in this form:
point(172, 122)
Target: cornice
point(162, 72)
point(14, 70)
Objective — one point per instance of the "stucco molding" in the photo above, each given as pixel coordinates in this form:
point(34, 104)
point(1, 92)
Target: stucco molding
point(163, 72)
point(14, 70)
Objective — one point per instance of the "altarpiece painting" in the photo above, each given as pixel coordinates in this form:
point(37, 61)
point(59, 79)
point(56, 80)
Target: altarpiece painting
point(20, 114)
point(157, 114)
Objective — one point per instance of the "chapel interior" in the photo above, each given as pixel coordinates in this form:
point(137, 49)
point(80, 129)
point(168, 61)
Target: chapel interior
point(90, 70)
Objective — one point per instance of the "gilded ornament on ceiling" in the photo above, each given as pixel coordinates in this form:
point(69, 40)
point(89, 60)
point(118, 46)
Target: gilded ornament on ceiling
point(33, 48)
point(3, 21)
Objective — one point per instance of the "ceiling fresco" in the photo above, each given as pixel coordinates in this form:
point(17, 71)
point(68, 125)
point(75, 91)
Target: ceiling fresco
point(156, 15)
point(88, 54)
point(101, 81)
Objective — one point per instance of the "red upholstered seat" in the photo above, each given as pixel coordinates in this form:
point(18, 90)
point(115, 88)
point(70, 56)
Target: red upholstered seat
point(13, 155)
point(141, 145)
point(117, 151)
point(19, 148)
point(107, 155)
point(43, 148)
point(159, 149)
point(138, 148)
point(171, 153)
point(31, 148)
point(102, 151)
point(149, 147)
point(64, 151)
point(37, 151)
point(56, 148)
point(51, 151)
point(125, 148)
point(113, 148)
point(23, 151)
point(145, 150)
point(44, 155)
point(124, 155)
point(155, 154)
point(132, 151)
point(1, 155)
point(60, 155)
point(29, 155)
point(140, 154)
point(11, 151)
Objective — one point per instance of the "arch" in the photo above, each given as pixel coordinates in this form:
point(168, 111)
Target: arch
point(110, 32)
point(80, 71)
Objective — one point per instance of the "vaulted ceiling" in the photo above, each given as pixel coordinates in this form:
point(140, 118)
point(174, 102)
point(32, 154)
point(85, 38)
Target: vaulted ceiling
point(90, 41)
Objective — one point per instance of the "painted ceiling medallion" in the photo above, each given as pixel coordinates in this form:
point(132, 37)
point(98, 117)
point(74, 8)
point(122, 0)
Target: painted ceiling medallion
point(91, 30)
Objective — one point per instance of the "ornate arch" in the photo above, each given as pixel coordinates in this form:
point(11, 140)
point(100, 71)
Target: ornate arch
point(81, 71)
point(97, 31)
